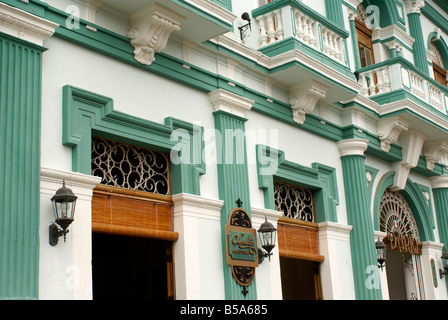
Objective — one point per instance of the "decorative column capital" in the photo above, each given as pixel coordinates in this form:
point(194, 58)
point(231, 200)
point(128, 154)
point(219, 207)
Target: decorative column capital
point(414, 6)
point(232, 103)
point(150, 29)
point(439, 182)
point(351, 147)
point(24, 25)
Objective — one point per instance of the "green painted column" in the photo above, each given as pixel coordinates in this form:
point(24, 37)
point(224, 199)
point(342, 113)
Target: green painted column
point(334, 12)
point(233, 179)
point(354, 37)
point(362, 240)
point(440, 192)
point(415, 30)
point(21, 52)
point(20, 112)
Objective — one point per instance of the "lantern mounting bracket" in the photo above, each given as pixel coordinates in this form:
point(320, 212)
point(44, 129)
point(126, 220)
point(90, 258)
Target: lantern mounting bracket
point(55, 233)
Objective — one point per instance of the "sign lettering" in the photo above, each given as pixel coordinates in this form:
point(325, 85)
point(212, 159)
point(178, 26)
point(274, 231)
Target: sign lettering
point(242, 246)
point(403, 243)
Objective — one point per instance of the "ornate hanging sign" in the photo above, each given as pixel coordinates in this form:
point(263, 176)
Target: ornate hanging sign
point(403, 243)
point(241, 247)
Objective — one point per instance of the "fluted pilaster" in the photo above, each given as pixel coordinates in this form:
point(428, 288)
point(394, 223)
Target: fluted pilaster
point(416, 31)
point(362, 240)
point(20, 78)
point(233, 179)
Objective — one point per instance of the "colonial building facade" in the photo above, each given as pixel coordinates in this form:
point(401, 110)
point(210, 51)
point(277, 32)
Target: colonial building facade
point(186, 127)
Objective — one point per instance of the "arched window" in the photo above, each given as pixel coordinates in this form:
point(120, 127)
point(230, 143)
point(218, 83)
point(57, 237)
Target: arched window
point(364, 35)
point(438, 65)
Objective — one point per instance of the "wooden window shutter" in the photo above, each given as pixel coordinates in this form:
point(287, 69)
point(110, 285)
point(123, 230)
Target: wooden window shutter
point(298, 240)
point(132, 213)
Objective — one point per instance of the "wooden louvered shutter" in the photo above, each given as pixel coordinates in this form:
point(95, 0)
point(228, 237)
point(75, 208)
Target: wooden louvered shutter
point(298, 240)
point(126, 212)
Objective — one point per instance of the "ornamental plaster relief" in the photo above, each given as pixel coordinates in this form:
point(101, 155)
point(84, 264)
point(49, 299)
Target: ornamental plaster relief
point(389, 130)
point(434, 151)
point(150, 29)
point(303, 99)
point(414, 6)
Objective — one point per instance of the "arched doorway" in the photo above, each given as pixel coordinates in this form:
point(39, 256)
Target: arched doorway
point(403, 266)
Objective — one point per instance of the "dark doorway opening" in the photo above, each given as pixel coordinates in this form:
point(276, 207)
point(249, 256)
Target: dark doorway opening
point(130, 268)
point(300, 279)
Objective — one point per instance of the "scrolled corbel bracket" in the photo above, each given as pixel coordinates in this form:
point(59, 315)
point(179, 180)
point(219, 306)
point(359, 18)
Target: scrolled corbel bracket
point(304, 97)
point(433, 152)
point(150, 30)
point(389, 130)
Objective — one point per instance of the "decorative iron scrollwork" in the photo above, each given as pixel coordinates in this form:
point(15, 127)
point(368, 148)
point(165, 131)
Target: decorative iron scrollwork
point(130, 167)
point(241, 219)
point(294, 202)
point(244, 276)
point(396, 216)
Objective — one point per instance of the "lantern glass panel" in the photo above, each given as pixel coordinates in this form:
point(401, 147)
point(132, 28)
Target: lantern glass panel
point(381, 252)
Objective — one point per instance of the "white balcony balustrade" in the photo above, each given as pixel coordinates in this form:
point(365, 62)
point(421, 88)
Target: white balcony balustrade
point(375, 81)
point(381, 78)
point(271, 27)
point(290, 21)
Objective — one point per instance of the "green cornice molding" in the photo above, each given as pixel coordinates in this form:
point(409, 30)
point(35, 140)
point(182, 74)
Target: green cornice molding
point(86, 113)
point(442, 4)
point(272, 165)
point(435, 16)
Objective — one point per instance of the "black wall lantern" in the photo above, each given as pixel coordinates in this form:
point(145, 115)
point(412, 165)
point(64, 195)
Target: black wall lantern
point(444, 264)
point(380, 253)
point(64, 202)
point(245, 16)
point(266, 235)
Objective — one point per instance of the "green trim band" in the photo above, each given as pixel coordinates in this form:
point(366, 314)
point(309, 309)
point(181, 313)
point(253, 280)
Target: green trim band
point(271, 165)
point(86, 114)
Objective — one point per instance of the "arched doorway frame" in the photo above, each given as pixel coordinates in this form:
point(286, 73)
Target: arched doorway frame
point(388, 9)
point(421, 212)
point(417, 202)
